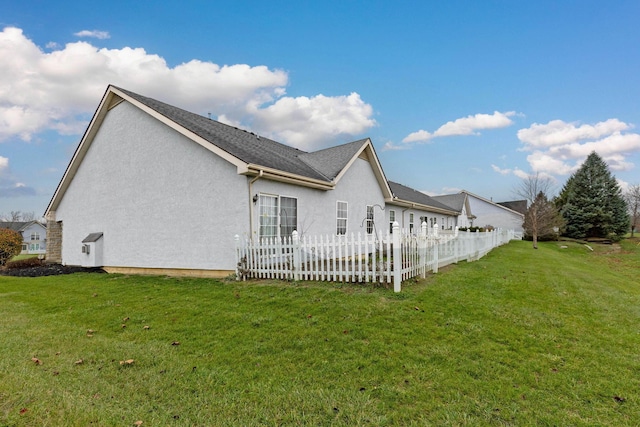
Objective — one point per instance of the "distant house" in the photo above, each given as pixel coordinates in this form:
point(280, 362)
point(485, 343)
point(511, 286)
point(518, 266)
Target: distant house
point(460, 203)
point(154, 188)
point(489, 213)
point(34, 235)
point(411, 207)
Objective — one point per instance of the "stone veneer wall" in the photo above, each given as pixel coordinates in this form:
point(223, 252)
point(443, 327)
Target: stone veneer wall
point(54, 241)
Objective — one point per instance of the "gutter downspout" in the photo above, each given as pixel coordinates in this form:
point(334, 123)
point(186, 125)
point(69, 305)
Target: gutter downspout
point(251, 202)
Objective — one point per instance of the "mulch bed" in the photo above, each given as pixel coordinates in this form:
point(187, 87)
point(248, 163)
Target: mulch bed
point(48, 270)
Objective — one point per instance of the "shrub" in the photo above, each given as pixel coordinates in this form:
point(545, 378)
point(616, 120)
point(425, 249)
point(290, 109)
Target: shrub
point(10, 244)
point(24, 263)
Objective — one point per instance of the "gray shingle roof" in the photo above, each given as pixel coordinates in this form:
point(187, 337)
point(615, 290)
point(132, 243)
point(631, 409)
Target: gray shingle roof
point(410, 195)
point(16, 225)
point(322, 165)
point(456, 201)
point(516, 205)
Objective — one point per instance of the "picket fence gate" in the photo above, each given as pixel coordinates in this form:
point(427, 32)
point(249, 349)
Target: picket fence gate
point(377, 257)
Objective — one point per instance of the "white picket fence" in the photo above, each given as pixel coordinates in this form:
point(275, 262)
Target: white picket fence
point(383, 258)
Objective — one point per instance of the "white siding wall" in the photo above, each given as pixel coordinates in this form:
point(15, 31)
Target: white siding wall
point(317, 208)
point(490, 214)
point(161, 200)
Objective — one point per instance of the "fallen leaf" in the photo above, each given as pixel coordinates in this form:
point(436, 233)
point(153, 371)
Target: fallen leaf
point(175, 343)
point(36, 361)
point(146, 327)
point(56, 373)
point(57, 353)
point(90, 331)
point(137, 423)
point(125, 319)
point(89, 335)
point(619, 399)
point(79, 362)
point(416, 308)
point(127, 362)
point(308, 316)
point(23, 410)
point(95, 295)
point(123, 326)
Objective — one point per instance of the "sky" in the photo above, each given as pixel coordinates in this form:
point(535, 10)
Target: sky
point(454, 95)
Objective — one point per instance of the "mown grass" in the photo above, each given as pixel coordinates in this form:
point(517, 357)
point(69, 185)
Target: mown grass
point(521, 337)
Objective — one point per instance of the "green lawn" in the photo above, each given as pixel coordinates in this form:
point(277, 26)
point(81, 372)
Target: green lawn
point(521, 337)
point(24, 256)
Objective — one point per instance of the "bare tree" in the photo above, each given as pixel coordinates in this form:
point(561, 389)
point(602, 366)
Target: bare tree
point(15, 216)
point(632, 197)
point(28, 216)
point(542, 217)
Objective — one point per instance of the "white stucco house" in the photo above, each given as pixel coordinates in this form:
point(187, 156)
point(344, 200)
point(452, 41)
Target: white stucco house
point(487, 212)
point(460, 204)
point(34, 235)
point(411, 207)
point(154, 188)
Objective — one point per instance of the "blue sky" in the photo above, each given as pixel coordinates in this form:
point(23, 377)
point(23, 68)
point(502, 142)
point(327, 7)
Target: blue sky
point(454, 95)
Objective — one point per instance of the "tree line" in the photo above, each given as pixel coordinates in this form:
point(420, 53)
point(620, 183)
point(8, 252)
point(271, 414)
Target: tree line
point(590, 205)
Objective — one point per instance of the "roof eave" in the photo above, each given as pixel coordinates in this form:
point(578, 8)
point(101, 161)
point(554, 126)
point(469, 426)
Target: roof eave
point(289, 178)
point(406, 203)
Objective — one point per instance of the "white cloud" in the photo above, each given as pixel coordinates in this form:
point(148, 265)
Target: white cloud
point(93, 33)
point(419, 136)
point(4, 163)
point(557, 132)
point(390, 146)
point(60, 89)
point(500, 171)
point(469, 125)
point(515, 171)
point(559, 148)
point(307, 122)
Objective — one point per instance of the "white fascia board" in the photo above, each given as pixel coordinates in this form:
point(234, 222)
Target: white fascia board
point(289, 178)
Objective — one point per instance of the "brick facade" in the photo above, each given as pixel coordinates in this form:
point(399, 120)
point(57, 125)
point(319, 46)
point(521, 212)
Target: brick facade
point(54, 240)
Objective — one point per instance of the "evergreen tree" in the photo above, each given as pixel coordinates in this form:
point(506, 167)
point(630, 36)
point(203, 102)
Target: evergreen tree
point(591, 202)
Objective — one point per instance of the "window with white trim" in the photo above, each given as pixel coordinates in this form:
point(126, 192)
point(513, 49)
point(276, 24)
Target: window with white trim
point(342, 212)
point(268, 213)
point(410, 223)
point(288, 215)
point(392, 219)
point(35, 236)
point(278, 215)
point(369, 219)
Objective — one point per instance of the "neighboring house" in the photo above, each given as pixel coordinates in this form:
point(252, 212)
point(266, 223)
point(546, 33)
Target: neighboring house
point(489, 213)
point(154, 188)
point(34, 235)
point(460, 203)
point(516, 205)
point(411, 207)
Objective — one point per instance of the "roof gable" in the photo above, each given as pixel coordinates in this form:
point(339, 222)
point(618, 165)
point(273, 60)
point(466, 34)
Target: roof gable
point(491, 202)
point(250, 153)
